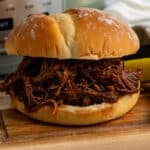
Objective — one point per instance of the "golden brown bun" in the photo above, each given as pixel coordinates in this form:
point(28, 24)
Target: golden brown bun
point(80, 33)
point(71, 115)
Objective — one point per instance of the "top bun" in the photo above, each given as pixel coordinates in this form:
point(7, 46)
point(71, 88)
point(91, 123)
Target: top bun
point(78, 33)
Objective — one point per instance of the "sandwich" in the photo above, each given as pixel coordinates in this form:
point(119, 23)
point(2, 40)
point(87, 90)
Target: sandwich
point(72, 72)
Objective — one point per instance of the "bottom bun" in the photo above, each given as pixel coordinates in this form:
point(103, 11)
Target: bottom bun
point(74, 115)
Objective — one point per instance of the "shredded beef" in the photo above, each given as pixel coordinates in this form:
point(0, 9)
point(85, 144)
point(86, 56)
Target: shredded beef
point(41, 81)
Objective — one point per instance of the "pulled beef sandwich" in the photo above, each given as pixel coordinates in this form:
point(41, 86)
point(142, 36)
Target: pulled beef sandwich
point(72, 72)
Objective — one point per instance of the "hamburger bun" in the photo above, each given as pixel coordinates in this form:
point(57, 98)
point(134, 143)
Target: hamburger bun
point(74, 115)
point(79, 33)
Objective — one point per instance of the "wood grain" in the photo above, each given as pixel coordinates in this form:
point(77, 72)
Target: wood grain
point(3, 131)
point(26, 133)
point(4, 104)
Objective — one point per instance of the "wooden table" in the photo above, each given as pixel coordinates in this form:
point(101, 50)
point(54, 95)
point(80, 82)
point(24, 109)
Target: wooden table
point(129, 132)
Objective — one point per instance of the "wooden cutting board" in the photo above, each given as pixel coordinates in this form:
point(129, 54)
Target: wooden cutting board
point(129, 132)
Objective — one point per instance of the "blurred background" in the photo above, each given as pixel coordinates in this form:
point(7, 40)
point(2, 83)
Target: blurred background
point(13, 12)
